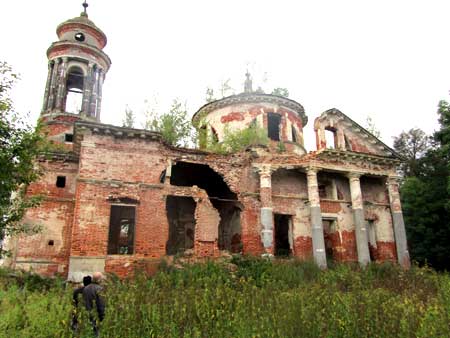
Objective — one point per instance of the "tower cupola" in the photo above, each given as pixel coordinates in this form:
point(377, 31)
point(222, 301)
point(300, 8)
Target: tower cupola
point(76, 70)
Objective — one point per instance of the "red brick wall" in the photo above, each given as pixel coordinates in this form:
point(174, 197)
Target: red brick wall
point(303, 247)
point(251, 227)
point(385, 251)
point(289, 182)
point(128, 160)
point(330, 206)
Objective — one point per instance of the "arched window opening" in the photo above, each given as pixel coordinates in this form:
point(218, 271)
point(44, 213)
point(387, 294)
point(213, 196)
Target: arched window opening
point(74, 85)
point(202, 137)
point(214, 136)
point(294, 134)
point(273, 126)
point(331, 138)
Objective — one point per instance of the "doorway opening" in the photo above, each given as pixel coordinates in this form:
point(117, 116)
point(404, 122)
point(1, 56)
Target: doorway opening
point(283, 235)
point(181, 216)
point(329, 232)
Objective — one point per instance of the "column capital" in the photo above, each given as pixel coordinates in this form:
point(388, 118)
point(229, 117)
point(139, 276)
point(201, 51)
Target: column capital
point(393, 180)
point(264, 169)
point(65, 59)
point(354, 175)
point(57, 60)
point(311, 170)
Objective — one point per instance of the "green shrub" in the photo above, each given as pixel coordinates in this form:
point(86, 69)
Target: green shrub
point(234, 141)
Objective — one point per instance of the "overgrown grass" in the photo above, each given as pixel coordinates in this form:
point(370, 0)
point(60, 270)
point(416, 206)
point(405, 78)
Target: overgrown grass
point(245, 298)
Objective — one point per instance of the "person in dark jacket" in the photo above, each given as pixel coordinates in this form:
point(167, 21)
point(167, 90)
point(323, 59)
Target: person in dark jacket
point(79, 291)
point(92, 296)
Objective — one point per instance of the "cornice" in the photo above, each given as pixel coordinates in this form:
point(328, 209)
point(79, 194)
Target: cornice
point(249, 98)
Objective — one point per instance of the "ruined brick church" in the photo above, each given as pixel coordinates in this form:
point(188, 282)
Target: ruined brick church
point(118, 198)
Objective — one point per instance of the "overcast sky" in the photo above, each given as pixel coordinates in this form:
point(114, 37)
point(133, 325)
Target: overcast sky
point(386, 59)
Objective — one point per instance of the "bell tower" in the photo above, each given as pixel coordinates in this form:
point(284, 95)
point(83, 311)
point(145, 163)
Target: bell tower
point(76, 70)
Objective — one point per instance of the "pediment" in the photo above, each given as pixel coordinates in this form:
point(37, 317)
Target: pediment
point(349, 135)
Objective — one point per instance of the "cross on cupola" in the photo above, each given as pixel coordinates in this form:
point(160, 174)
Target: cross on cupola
point(85, 5)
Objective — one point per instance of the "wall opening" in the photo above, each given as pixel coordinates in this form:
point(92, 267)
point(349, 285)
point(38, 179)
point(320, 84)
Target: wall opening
point(372, 239)
point(68, 138)
point(273, 126)
point(329, 231)
point(327, 188)
point(221, 197)
point(331, 138)
point(202, 137)
point(61, 181)
point(214, 136)
point(189, 174)
point(74, 86)
point(121, 230)
point(229, 226)
point(283, 234)
point(181, 216)
point(294, 134)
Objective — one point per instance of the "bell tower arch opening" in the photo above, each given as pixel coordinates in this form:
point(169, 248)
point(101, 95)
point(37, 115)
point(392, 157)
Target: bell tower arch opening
point(75, 86)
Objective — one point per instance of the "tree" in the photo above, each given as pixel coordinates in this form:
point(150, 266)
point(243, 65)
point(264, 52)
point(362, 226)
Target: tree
point(129, 118)
point(210, 95)
point(372, 128)
point(20, 145)
point(412, 145)
point(174, 126)
point(225, 88)
point(280, 92)
point(426, 194)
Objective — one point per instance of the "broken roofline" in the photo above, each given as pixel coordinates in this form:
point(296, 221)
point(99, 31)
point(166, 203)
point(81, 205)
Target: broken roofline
point(126, 132)
point(357, 125)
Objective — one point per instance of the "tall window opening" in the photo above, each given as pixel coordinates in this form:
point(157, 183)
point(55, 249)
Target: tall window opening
point(202, 137)
point(294, 134)
point(372, 239)
point(331, 138)
point(327, 188)
point(273, 126)
point(74, 85)
point(283, 234)
point(214, 136)
point(121, 230)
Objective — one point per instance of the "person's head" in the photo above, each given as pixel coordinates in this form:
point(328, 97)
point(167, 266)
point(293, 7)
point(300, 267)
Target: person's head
point(97, 277)
point(87, 280)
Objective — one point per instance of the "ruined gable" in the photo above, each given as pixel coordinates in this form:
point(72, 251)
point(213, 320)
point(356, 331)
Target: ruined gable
point(345, 134)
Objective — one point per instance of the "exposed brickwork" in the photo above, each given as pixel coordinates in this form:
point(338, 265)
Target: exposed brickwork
point(330, 206)
point(385, 251)
point(347, 251)
point(303, 247)
point(234, 116)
